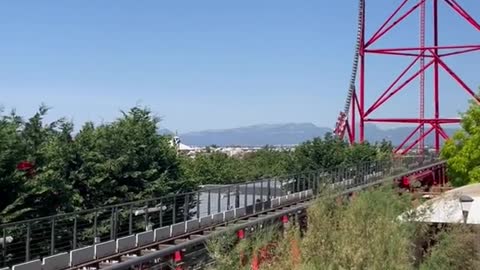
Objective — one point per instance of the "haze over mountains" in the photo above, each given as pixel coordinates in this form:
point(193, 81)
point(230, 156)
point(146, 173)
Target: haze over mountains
point(286, 134)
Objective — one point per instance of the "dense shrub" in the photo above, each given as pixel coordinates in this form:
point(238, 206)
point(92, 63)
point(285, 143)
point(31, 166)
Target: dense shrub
point(114, 162)
point(363, 234)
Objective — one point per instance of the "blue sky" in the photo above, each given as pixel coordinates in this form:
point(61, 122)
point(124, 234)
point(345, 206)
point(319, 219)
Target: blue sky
point(205, 64)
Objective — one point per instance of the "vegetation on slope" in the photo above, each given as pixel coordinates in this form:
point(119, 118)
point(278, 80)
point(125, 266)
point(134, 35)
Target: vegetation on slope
point(316, 154)
point(46, 168)
point(362, 234)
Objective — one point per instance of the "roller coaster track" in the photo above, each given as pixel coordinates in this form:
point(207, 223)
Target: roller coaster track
point(341, 124)
point(159, 245)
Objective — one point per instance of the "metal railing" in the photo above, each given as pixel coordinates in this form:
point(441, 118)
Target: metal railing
point(41, 237)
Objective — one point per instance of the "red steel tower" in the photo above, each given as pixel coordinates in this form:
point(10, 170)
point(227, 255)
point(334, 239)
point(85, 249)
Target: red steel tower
point(423, 58)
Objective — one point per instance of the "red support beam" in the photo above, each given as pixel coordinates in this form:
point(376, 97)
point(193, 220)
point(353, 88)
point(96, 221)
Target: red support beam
point(362, 113)
point(455, 77)
point(382, 97)
point(384, 31)
point(352, 127)
point(442, 132)
point(387, 52)
point(399, 88)
point(417, 140)
point(414, 120)
point(407, 139)
point(459, 52)
point(361, 105)
point(436, 93)
point(450, 47)
point(463, 13)
point(389, 19)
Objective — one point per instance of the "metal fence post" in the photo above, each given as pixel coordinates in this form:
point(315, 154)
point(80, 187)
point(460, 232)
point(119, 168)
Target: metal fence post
point(245, 202)
point(74, 233)
point(218, 201)
point(27, 242)
point(304, 182)
point(269, 192)
point(4, 249)
point(198, 204)
point(147, 221)
point(261, 190)
point(228, 197)
point(160, 214)
point(297, 186)
point(275, 187)
point(130, 220)
point(209, 203)
point(185, 209)
point(52, 237)
point(95, 218)
point(237, 196)
point(261, 195)
point(115, 219)
point(112, 225)
point(174, 210)
point(253, 199)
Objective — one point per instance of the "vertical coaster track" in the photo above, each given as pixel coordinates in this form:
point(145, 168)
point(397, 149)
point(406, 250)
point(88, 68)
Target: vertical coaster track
point(426, 58)
point(342, 122)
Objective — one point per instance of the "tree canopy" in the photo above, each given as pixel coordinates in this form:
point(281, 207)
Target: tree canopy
point(46, 169)
point(462, 151)
point(319, 153)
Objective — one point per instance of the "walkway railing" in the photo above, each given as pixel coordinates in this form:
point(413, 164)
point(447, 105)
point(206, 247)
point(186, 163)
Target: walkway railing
point(36, 238)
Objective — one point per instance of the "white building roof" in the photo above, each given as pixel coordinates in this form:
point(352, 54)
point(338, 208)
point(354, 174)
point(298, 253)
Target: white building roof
point(446, 208)
point(184, 147)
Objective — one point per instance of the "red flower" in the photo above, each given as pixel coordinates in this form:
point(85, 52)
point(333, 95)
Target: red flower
point(24, 166)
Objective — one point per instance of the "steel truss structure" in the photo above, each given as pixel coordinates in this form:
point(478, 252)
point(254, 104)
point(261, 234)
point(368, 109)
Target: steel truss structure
point(426, 57)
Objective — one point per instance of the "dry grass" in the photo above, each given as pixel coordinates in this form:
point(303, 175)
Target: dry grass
point(362, 234)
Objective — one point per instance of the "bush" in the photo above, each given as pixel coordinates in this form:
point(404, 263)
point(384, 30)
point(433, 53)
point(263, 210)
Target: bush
point(456, 248)
point(367, 234)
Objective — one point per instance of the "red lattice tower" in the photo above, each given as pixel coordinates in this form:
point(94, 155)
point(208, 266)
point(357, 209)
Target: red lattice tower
point(424, 57)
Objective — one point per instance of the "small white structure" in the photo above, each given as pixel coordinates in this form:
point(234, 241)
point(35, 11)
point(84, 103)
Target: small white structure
point(447, 208)
point(177, 143)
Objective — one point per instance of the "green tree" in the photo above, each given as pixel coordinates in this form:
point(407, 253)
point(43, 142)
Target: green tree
point(116, 162)
point(319, 153)
point(125, 160)
point(266, 162)
point(462, 150)
point(44, 189)
point(213, 168)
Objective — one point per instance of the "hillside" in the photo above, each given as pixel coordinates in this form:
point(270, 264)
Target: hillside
point(285, 134)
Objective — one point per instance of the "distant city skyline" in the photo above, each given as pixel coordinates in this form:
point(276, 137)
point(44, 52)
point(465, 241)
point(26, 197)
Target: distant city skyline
point(207, 65)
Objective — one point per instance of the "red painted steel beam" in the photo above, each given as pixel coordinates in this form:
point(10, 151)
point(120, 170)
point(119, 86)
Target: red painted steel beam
point(456, 77)
point(442, 132)
point(399, 88)
point(436, 87)
point(414, 120)
point(417, 140)
point(389, 19)
point(386, 52)
point(453, 4)
point(379, 101)
point(449, 47)
point(384, 31)
point(361, 105)
point(407, 139)
point(459, 52)
point(434, 54)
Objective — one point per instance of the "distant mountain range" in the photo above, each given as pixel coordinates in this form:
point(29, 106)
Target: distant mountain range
point(286, 134)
